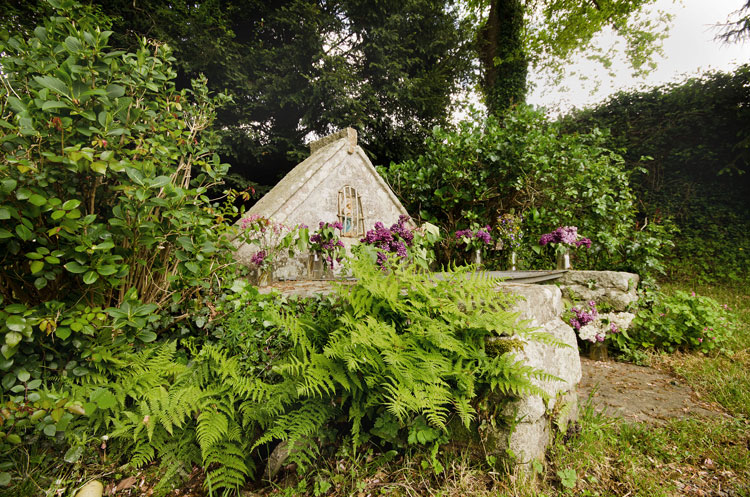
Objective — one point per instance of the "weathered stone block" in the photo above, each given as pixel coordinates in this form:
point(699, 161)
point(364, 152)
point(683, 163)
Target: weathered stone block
point(617, 289)
point(532, 420)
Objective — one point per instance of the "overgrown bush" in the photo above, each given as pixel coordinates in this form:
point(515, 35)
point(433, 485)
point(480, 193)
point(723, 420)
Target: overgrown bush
point(107, 238)
point(527, 164)
point(687, 147)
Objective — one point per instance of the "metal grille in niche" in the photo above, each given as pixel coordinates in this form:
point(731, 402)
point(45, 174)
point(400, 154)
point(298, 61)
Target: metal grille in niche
point(350, 212)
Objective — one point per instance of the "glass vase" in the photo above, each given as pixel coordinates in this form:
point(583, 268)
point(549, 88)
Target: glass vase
point(477, 258)
point(563, 260)
point(598, 351)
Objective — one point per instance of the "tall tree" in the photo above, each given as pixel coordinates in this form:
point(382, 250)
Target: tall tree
point(299, 68)
point(739, 29)
point(518, 35)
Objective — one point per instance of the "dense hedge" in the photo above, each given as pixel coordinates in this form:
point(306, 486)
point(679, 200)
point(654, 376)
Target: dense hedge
point(688, 146)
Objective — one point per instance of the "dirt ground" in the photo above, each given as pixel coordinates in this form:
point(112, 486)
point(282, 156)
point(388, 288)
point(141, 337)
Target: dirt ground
point(639, 394)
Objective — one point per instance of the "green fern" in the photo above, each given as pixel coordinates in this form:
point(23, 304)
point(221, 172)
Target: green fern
point(401, 342)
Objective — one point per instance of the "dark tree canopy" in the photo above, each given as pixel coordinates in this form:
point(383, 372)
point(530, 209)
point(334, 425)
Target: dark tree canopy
point(297, 67)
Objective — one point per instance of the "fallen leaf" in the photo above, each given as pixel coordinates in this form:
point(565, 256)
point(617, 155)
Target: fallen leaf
point(126, 483)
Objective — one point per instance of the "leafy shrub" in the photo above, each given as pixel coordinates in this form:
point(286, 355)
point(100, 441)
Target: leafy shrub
point(686, 145)
point(526, 164)
point(681, 321)
point(107, 235)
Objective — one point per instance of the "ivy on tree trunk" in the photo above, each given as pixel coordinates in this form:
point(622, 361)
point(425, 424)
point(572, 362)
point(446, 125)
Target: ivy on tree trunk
point(502, 56)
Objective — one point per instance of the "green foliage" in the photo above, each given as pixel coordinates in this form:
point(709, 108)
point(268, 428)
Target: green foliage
point(686, 145)
point(395, 354)
point(301, 66)
point(680, 321)
point(503, 56)
point(104, 173)
point(107, 231)
point(513, 37)
point(527, 164)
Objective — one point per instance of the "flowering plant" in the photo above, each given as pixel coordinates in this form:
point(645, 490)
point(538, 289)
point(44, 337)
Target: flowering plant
point(326, 243)
point(391, 241)
point(564, 236)
point(592, 326)
point(509, 231)
point(474, 238)
point(271, 237)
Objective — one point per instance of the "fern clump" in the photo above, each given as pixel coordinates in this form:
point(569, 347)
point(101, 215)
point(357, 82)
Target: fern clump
point(392, 357)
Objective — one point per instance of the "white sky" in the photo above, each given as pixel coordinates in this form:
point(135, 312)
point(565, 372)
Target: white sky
point(690, 49)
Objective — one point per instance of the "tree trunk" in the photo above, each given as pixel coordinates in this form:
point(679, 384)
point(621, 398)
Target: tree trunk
point(501, 53)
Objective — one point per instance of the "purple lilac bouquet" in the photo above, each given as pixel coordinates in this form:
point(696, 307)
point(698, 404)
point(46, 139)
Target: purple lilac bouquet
point(327, 244)
point(593, 326)
point(474, 238)
point(390, 241)
point(565, 235)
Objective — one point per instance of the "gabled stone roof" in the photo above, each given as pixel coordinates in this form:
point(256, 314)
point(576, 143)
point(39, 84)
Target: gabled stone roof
point(327, 154)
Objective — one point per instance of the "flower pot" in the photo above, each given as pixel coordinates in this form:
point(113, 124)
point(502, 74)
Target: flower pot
point(563, 260)
point(598, 351)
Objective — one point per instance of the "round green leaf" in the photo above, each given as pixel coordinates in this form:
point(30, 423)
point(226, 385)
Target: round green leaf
point(34, 384)
point(8, 381)
point(15, 323)
point(106, 270)
point(73, 454)
point(23, 375)
point(50, 430)
point(75, 268)
point(4, 213)
point(71, 204)
point(146, 336)
point(90, 277)
point(37, 266)
point(4, 479)
point(37, 200)
point(57, 215)
point(99, 167)
point(62, 332)
point(13, 338)
point(23, 232)
point(13, 439)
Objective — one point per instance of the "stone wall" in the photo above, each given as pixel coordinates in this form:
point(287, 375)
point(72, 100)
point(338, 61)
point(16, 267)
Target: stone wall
point(534, 419)
point(616, 289)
